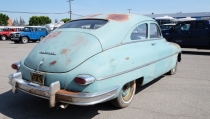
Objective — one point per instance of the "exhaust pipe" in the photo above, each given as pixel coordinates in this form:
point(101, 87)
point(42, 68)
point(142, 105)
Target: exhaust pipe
point(63, 106)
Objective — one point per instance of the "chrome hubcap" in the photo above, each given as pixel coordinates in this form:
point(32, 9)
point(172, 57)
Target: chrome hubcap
point(126, 90)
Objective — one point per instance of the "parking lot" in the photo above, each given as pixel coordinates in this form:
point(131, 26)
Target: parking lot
point(185, 95)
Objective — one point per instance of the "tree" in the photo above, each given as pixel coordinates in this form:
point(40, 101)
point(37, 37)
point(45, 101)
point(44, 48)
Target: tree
point(14, 23)
point(3, 19)
point(21, 22)
point(56, 20)
point(39, 20)
point(17, 23)
point(65, 20)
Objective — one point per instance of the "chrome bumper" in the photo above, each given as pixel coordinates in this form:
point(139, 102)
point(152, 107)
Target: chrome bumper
point(55, 94)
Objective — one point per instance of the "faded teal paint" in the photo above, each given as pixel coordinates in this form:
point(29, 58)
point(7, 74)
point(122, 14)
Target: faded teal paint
point(71, 49)
point(90, 57)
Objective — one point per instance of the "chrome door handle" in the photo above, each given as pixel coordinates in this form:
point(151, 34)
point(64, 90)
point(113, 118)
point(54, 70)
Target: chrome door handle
point(153, 43)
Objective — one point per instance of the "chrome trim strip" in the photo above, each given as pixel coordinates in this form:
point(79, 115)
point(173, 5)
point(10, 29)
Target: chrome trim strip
point(133, 41)
point(123, 72)
point(136, 41)
point(112, 47)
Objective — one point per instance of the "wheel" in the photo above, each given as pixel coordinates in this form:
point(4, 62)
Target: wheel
point(42, 37)
point(16, 41)
point(24, 40)
point(173, 70)
point(125, 96)
point(3, 37)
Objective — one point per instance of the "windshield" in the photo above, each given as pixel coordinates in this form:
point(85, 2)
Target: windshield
point(26, 29)
point(166, 27)
point(165, 21)
point(85, 24)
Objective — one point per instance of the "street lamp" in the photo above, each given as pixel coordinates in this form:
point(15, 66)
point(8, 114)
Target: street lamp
point(70, 7)
point(129, 10)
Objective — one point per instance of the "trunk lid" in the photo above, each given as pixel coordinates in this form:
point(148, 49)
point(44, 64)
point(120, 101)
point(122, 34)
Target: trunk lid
point(62, 51)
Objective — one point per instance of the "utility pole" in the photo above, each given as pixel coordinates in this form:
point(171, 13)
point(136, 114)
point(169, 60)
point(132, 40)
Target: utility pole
point(129, 10)
point(70, 12)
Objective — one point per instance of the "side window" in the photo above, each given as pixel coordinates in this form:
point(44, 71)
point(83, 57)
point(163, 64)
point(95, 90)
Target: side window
point(183, 26)
point(34, 29)
point(139, 33)
point(199, 25)
point(154, 31)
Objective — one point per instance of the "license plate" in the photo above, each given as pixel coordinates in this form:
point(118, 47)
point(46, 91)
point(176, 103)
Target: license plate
point(37, 77)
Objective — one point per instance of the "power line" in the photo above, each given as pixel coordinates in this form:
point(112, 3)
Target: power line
point(77, 14)
point(32, 12)
point(36, 12)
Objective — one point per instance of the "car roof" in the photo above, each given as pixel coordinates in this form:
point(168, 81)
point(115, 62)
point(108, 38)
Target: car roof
point(114, 31)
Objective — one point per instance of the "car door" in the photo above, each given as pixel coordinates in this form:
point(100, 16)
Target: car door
point(200, 33)
point(182, 34)
point(142, 51)
point(162, 50)
point(34, 33)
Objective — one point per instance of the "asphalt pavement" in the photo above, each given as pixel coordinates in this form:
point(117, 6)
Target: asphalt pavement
point(185, 95)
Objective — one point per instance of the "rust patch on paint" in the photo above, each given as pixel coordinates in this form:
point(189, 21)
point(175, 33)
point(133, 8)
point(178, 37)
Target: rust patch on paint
point(174, 44)
point(64, 51)
point(52, 35)
point(68, 61)
point(67, 92)
point(79, 41)
point(127, 58)
point(118, 17)
point(53, 62)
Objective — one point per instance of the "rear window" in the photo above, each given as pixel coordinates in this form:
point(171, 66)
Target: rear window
point(85, 24)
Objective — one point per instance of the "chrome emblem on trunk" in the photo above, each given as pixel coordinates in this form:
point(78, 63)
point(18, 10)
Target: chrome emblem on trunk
point(49, 53)
point(41, 62)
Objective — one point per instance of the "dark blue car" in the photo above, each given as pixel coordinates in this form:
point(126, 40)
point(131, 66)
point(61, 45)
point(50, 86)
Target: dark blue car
point(29, 34)
point(194, 33)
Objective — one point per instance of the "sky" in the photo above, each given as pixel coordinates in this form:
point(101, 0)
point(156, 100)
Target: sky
point(88, 7)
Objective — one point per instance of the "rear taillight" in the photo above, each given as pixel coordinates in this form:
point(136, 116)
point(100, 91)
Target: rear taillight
point(84, 79)
point(16, 65)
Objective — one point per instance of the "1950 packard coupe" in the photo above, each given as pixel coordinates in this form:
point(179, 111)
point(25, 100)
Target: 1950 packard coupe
point(95, 59)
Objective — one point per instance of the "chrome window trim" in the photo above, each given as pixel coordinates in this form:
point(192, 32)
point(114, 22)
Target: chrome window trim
point(123, 72)
point(136, 41)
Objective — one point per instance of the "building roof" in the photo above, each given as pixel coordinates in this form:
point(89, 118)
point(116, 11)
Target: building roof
point(181, 15)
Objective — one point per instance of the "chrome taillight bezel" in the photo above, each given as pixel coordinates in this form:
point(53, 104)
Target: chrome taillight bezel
point(86, 77)
point(16, 64)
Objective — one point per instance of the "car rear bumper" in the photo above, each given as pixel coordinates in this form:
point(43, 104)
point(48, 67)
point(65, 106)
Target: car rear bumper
point(55, 94)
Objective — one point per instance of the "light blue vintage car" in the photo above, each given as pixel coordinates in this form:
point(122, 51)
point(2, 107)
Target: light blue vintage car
point(95, 59)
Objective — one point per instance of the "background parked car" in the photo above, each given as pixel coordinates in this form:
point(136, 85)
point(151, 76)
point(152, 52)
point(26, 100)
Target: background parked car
point(95, 59)
point(166, 20)
point(166, 26)
point(4, 34)
point(29, 34)
point(194, 33)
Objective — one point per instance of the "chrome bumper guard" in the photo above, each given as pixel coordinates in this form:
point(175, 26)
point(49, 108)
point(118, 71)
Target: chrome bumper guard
point(55, 94)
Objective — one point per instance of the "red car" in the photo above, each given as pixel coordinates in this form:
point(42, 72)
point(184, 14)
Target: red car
point(4, 34)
